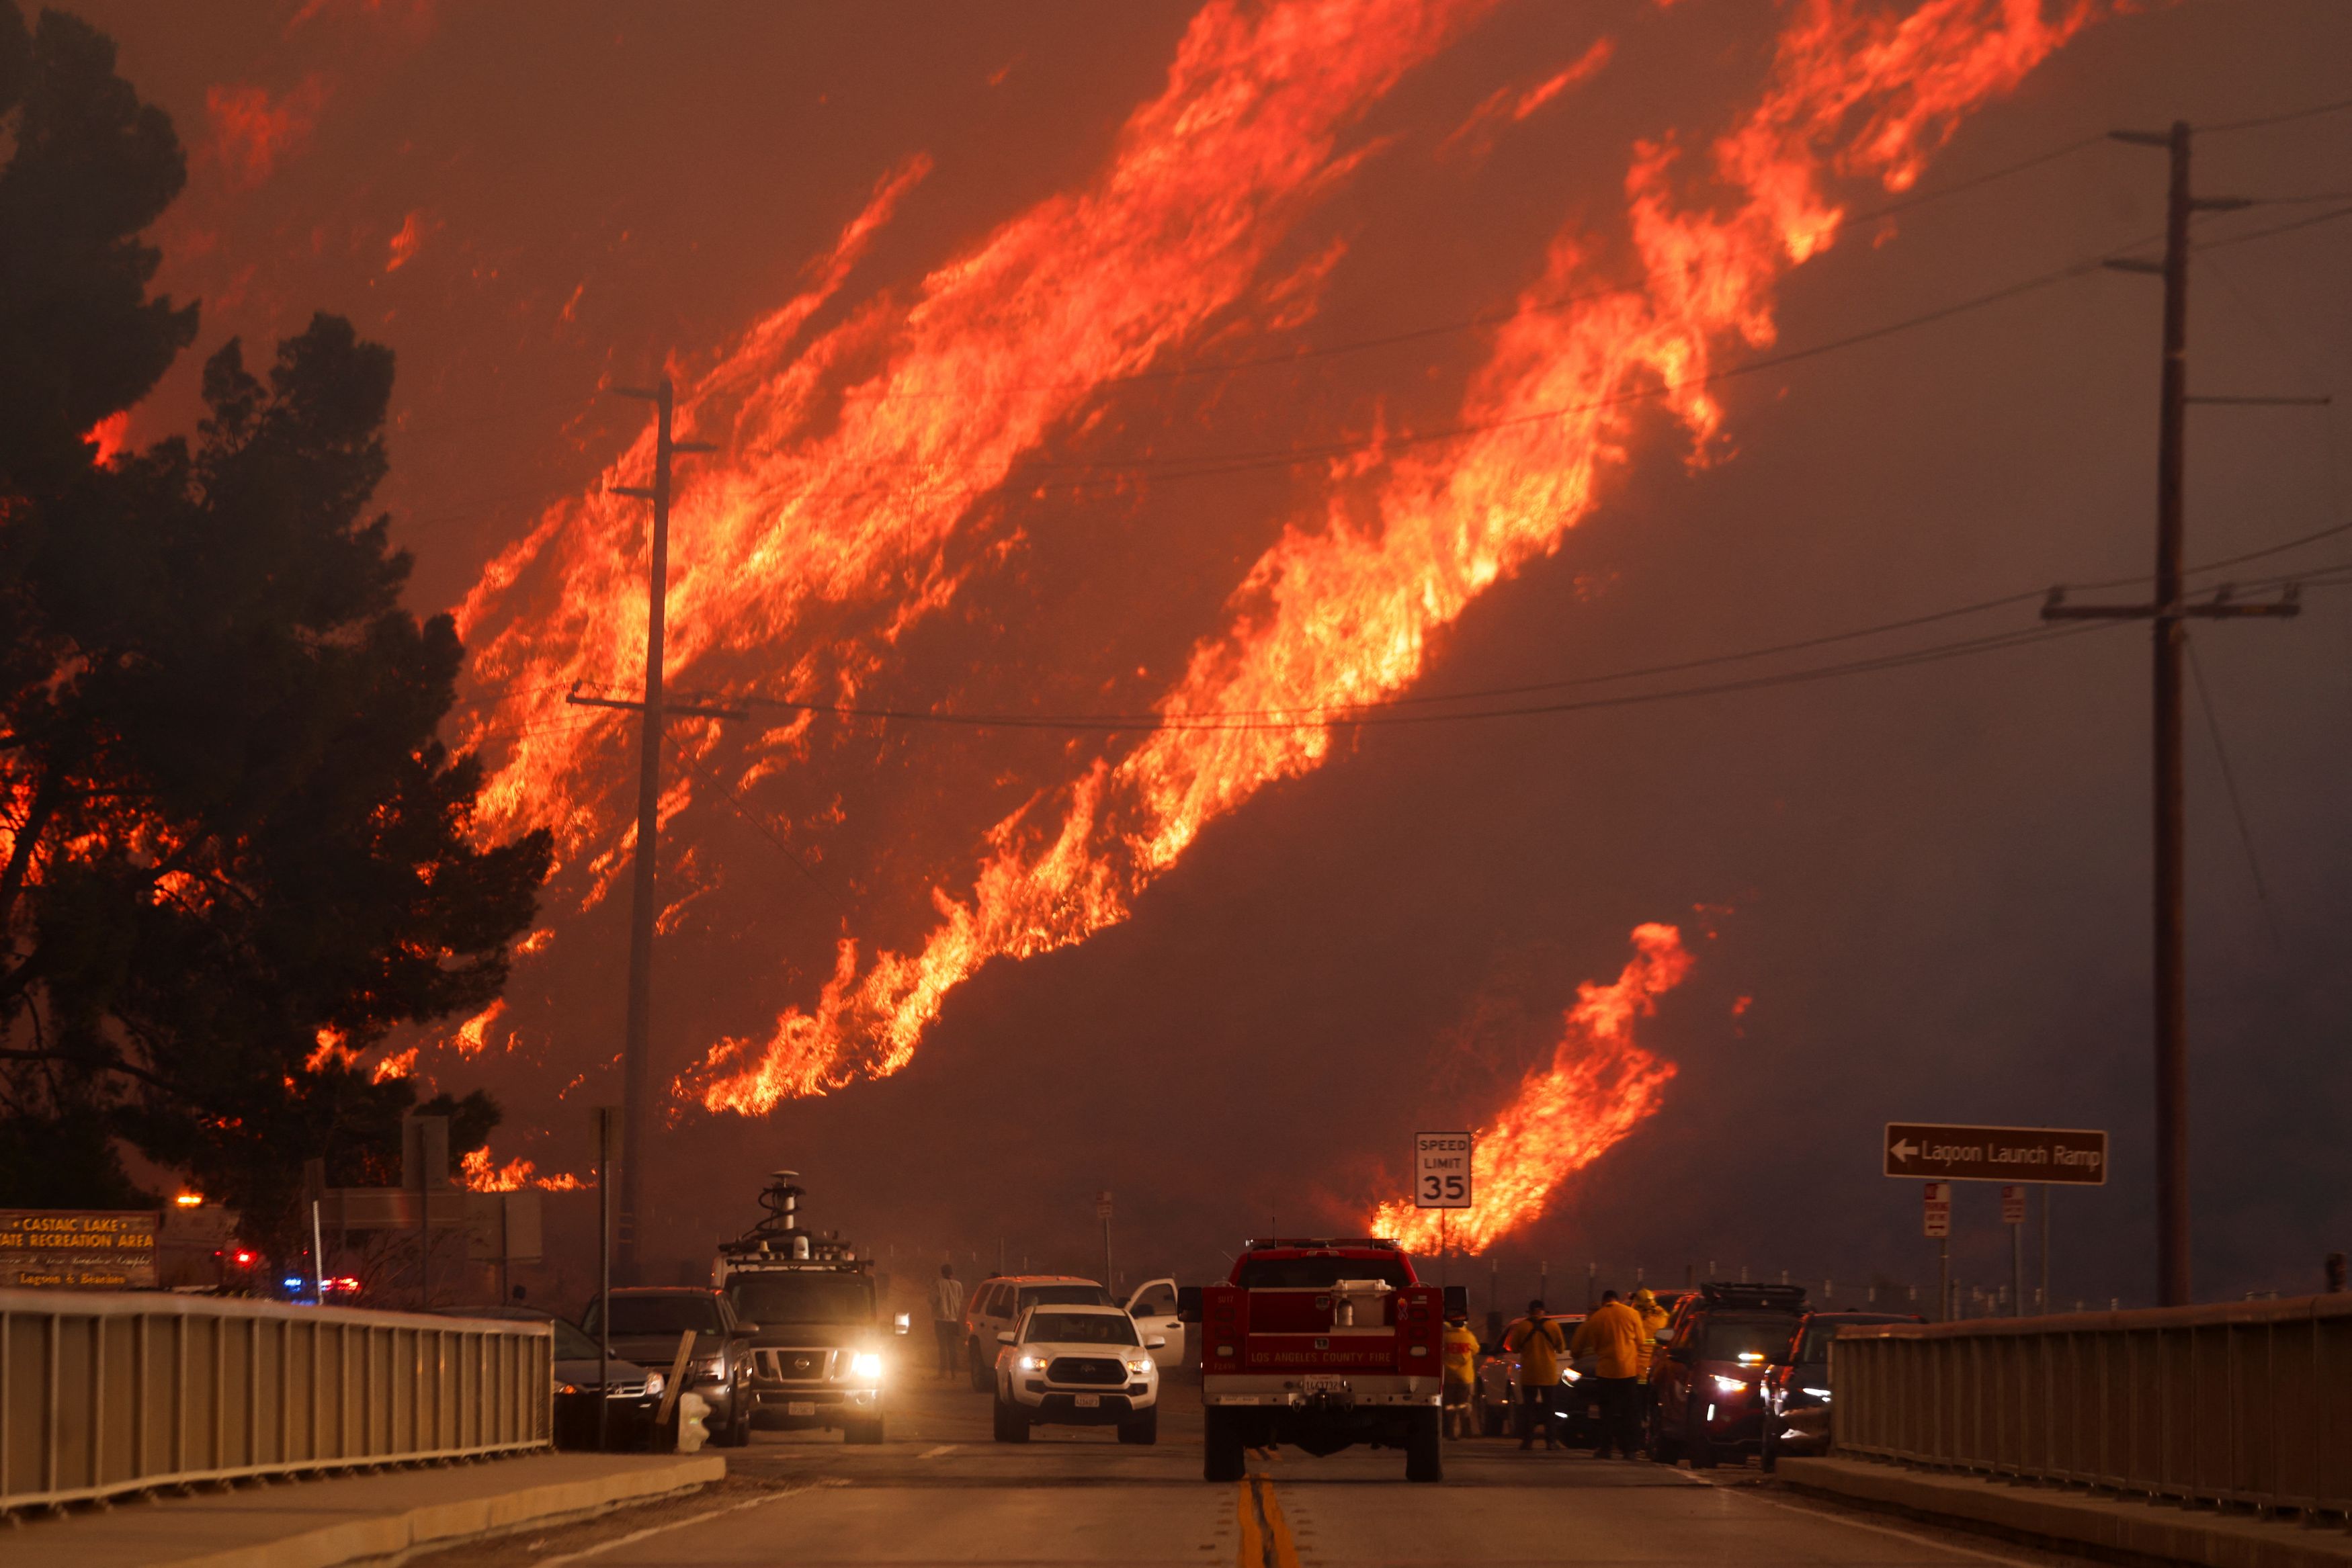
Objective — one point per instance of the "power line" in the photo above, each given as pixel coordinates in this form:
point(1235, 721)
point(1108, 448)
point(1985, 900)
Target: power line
point(761, 827)
point(2248, 238)
point(1351, 718)
point(1306, 716)
point(2229, 787)
point(2289, 117)
point(1232, 462)
point(1500, 317)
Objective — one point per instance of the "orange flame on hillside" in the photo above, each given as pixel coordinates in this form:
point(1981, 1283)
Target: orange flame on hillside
point(1343, 611)
point(849, 461)
point(482, 1172)
point(1599, 1087)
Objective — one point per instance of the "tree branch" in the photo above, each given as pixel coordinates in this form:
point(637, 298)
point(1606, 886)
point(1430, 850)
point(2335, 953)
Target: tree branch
point(156, 1079)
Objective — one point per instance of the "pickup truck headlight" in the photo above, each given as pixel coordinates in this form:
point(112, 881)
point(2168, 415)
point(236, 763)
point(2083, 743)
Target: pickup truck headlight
point(655, 1383)
point(711, 1367)
point(866, 1366)
point(1730, 1385)
point(1820, 1394)
point(1033, 1363)
point(1137, 1366)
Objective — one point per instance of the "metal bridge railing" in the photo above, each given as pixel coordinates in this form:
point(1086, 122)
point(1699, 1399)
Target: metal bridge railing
point(101, 1395)
point(2243, 1403)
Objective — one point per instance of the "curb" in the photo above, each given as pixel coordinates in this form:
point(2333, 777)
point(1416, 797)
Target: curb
point(2069, 1521)
point(348, 1521)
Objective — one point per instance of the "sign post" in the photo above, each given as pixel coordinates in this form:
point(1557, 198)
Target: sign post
point(1935, 1221)
point(1442, 1180)
point(1102, 1212)
point(608, 1134)
point(2012, 1214)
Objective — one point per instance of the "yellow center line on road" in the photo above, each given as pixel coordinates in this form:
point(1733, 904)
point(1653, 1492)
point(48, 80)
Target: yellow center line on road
point(1265, 1535)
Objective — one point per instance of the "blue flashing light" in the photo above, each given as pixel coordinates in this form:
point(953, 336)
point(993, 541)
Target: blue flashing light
point(292, 1282)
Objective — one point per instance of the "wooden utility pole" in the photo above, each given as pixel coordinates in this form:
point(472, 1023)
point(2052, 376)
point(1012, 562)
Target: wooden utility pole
point(655, 713)
point(2170, 616)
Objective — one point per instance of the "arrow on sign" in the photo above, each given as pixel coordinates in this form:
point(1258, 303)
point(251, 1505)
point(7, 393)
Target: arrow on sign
point(1903, 1150)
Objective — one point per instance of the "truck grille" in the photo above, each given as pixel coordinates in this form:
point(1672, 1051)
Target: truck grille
point(1100, 1369)
point(795, 1365)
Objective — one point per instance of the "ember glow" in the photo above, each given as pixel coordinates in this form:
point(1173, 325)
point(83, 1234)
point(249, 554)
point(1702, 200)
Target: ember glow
point(1600, 1085)
point(1345, 608)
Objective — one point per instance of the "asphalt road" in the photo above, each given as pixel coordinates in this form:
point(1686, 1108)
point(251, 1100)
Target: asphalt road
point(940, 1491)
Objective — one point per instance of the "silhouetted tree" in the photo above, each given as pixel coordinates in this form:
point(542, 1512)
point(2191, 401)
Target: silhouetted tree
point(232, 849)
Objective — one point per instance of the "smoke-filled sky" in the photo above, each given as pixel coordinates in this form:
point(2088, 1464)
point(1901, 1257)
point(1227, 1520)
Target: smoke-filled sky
point(1085, 359)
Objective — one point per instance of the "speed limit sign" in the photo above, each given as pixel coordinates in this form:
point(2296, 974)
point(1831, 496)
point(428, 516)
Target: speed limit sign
point(1441, 1170)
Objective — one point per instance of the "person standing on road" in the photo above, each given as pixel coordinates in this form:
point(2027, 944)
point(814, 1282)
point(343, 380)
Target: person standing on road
point(1654, 1319)
point(1461, 1364)
point(1537, 1342)
point(1612, 1334)
point(947, 1316)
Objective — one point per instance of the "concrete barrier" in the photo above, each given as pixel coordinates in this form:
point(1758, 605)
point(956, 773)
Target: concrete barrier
point(107, 1393)
point(2245, 1404)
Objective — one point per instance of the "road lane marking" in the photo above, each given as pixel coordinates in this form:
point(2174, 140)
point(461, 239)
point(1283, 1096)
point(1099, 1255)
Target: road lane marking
point(652, 1529)
point(1266, 1535)
point(1834, 1515)
point(935, 1453)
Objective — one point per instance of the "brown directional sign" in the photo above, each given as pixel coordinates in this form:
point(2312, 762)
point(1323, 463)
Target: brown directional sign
point(1932, 1150)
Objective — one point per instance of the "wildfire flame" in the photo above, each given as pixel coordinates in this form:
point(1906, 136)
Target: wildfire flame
point(1343, 610)
point(482, 1172)
point(1600, 1086)
point(833, 495)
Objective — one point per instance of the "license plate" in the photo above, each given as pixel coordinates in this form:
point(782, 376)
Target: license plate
point(1324, 1384)
point(1090, 1401)
point(800, 1407)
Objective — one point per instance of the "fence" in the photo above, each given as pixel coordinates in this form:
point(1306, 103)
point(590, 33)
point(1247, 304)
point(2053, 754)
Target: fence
point(2246, 1404)
point(101, 1395)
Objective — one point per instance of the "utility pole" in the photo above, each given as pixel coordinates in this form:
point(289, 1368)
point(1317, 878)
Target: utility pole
point(2169, 615)
point(653, 713)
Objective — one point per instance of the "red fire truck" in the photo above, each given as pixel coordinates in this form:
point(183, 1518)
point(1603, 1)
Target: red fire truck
point(1320, 1344)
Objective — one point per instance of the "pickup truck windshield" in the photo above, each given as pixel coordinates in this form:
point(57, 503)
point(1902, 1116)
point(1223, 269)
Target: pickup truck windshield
point(571, 1344)
point(1080, 1328)
point(1320, 1273)
point(766, 1299)
point(658, 1315)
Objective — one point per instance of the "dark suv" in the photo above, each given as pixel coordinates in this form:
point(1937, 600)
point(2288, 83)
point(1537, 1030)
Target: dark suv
point(649, 1322)
point(1706, 1384)
point(1801, 1382)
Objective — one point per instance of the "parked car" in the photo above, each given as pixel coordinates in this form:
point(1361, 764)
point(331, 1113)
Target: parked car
point(1802, 1382)
point(632, 1394)
point(649, 1322)
point(1705, 1387)
point(1077, 1366)
point(995, 1308)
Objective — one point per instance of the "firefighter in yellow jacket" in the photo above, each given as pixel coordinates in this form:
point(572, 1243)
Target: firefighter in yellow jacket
point(1613, 1336)
point(1654, 1319)
point(1461, 1367)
